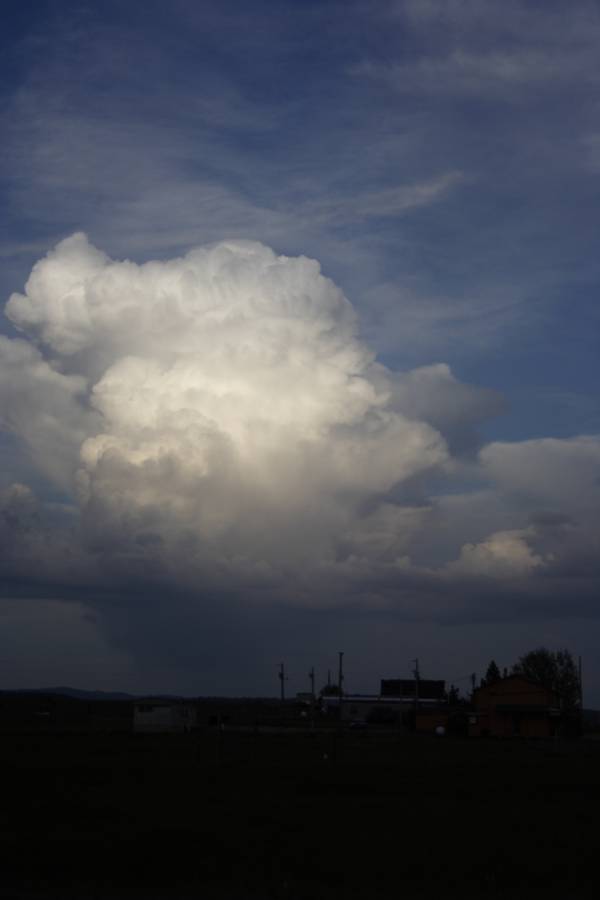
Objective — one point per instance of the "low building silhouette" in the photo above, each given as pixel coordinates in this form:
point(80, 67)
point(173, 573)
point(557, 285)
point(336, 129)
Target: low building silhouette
point(160, 714)
point(514, 707)
point(402, 702)
point(409, 689)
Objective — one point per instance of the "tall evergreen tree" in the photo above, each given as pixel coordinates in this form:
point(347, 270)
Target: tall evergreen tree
point(493, 673)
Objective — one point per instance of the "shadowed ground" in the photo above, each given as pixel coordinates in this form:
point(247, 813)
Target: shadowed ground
point(295, 815)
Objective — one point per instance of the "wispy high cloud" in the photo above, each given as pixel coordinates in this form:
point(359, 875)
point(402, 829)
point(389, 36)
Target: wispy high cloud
point(391, 202)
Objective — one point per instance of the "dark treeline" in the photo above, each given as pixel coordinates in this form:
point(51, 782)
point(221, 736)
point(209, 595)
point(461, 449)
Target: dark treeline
point(554, 670)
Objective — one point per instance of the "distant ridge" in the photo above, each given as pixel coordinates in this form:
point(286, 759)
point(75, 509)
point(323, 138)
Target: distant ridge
point(76, 693)
point(79, 694)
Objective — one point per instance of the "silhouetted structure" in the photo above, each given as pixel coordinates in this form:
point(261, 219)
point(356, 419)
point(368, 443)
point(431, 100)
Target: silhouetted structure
point(418, 704)
point(164, 715)
point(404, 688)
point(514, 706)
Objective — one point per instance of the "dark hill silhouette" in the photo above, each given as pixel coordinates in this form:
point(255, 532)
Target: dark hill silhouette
point(75, 693)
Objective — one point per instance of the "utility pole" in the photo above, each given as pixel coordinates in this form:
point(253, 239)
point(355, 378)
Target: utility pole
point(473, 680)
point(282, 678)
point(580, 675)
point(341, 679)
point(416, 674)
point(313, 698)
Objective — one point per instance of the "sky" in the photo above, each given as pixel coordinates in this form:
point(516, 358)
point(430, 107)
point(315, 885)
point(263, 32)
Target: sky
point(299, 342)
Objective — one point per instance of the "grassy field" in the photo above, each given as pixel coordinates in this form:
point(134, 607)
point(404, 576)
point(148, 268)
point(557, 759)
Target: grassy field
point(295, 815)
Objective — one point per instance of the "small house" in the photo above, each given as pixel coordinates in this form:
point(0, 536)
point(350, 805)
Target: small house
point(514, 707)
point(163, 715)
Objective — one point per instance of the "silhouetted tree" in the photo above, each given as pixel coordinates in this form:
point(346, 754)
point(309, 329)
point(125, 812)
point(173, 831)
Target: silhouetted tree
point(493, 673)
point(453, 696)
point(555, 670)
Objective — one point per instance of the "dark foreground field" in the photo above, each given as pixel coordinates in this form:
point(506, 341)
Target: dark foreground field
point(289, 816)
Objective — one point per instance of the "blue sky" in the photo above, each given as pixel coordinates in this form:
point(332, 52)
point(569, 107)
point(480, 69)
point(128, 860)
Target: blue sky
point(441, 160)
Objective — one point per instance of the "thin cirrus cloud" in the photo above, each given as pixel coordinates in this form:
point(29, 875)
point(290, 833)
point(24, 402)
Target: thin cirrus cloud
point(393, 201)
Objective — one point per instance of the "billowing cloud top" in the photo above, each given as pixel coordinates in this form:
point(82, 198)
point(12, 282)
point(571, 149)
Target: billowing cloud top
point(218, 423)
point(217, 407)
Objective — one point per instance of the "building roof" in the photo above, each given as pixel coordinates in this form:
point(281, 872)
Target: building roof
point(510, 684)
point(162, 701)
point(377, 698)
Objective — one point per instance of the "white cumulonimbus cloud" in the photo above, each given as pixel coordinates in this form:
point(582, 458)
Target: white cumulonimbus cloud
point(214, 421)
point(216, 412)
